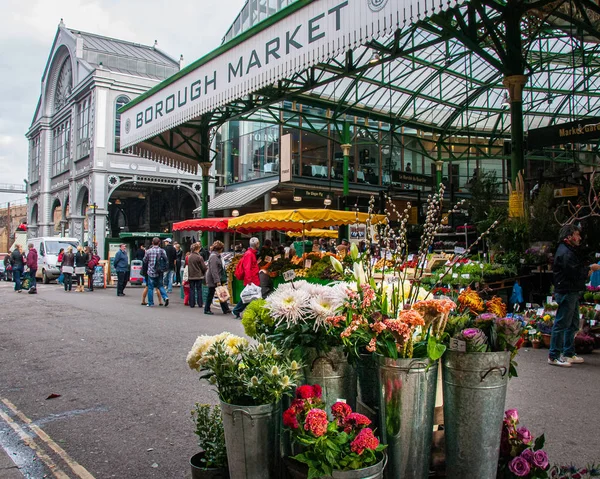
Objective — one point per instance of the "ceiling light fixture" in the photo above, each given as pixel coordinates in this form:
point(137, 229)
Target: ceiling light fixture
point(327, 201)
point(505, 101)
point(274, 201)
point(235, 213)
point(374, 58)
point(297, 199)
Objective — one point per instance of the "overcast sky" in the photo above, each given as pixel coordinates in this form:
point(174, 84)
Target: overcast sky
point(28, 27)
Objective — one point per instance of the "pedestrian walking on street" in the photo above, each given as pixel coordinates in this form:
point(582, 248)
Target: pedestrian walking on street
point(249, 270)
point(140, 253)
point(59, 260)
point(158, 266)
point(81, 260)
point(171, 257)
point(186, 281)
point(18, 266)
point(32, 263)
point(571, 271)
point(178, 260)
point(215, 277)
point(196, 272)
point(145, 292)
point(68, 267)
point(121, 263)
point(92, 261)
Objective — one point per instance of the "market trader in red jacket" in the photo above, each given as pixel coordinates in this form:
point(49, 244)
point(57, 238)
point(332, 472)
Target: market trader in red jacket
point(249, 267)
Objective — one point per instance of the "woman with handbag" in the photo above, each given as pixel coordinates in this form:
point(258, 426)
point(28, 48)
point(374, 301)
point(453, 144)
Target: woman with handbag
point(215, 278)
point(67, 268)
point(81, 260)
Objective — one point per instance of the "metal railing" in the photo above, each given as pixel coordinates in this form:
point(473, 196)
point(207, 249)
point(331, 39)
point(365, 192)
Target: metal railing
point(13, 204)
point(8, 188)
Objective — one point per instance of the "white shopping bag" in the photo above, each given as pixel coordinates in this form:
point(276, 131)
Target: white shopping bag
point(250, 292)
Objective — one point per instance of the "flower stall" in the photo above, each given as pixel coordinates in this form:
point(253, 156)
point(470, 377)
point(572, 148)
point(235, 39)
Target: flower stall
point(340, 376)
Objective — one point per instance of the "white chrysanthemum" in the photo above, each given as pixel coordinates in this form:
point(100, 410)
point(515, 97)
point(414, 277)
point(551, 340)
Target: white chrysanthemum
point(288, 305)
point(203, 344)
point(233, 343)
point(338, 293)
point(315, 290)
point(321, 307)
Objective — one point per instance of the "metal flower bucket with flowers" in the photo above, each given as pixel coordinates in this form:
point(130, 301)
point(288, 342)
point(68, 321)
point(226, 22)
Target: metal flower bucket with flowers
point(250, 380)
point(475, 380)
point(343, 447)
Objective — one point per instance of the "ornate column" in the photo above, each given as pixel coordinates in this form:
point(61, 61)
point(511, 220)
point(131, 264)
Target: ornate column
point(515, 84)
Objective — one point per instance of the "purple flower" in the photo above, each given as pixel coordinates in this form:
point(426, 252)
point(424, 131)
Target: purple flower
point(524, 435)
point(511, 415)
point(487, 317)
point(527, 454)
point(540, 459)
point(519, 466)
point(470, 333)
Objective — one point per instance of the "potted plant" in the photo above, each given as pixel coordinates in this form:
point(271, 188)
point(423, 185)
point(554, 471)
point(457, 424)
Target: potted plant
point(588, 297)
point(596, 297)
point(211, 461)
point(250, 380)
point(343, 447)
point(536, 340)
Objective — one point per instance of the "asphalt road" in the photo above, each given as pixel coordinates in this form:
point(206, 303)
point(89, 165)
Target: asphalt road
point(126, 391)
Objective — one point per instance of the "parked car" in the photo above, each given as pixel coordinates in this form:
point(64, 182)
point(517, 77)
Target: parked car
point(48, 248)
point(3, 273)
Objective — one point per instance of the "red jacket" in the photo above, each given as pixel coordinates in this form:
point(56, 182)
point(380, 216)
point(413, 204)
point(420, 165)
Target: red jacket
point(250, 267)
point(32, 259)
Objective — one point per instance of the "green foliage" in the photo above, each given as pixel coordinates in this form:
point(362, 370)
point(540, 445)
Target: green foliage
point(257, 374)
point(484, 191)
point(513, 235)
point(256, 319)
point(542, 225)
point(211, 438)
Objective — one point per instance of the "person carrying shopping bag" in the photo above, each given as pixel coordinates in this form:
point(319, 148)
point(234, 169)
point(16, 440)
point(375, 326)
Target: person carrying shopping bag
point(81, 259)
point(68, 268)
point(215, 277)
point(196, 272)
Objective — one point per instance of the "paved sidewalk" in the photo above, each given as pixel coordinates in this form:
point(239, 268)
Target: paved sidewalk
point(8, 469)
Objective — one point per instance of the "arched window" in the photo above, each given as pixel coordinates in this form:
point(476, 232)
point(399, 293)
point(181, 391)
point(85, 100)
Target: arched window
point(121, 101)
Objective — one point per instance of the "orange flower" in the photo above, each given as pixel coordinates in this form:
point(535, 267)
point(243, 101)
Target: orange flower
point(470, 299)
point(496, 306)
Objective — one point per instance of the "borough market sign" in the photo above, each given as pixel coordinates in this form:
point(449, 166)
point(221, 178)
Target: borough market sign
point(313, 32)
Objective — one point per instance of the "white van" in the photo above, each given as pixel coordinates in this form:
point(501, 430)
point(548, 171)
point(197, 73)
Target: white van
point(48, 248)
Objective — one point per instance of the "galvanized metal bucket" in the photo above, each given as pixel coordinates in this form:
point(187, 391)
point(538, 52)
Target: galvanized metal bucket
point(333, 373)
point(474, 396)
point(368, 383)
point(252, 437)
point(372, 472)
point(406, 405)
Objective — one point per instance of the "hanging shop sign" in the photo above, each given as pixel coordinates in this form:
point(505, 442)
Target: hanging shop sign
point(308, 33)
point(580, 131)
point(403, 177)
point(566, 192)
point(309, 193)
point(285, 150)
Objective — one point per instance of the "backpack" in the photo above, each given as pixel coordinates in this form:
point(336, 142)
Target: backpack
point(239, 270)
point(160, 265)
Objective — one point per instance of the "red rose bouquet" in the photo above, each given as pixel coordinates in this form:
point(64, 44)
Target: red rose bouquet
point(344, 443)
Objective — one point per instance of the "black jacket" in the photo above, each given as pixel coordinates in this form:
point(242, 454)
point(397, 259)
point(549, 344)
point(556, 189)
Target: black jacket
point(171, 255)
point(570, 270)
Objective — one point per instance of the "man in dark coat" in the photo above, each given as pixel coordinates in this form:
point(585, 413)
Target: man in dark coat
point(171, 258)
point(570, 275)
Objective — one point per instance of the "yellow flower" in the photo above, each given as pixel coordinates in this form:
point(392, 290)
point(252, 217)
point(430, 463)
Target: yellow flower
point(547, 317)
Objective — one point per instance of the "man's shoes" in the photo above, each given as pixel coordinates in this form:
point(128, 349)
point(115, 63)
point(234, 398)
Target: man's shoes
point(144, 304)
point(166, 302)
point(236, 316)
point(572, 359)
point(149, 306)
point(227, 311)
point(208, 312)
point(559, 362)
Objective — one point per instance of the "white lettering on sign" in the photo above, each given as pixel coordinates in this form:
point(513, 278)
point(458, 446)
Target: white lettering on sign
point(310, 34)
point(277, 257)
point(308, 263)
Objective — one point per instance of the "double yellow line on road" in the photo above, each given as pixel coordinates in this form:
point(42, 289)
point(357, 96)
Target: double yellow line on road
point(80, 471)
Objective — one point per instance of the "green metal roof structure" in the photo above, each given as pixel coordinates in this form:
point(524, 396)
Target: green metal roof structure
point(448, 72)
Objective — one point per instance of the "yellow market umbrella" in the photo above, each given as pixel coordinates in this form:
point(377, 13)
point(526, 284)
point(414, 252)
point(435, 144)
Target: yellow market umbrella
point(284, 220)
point(314, 233)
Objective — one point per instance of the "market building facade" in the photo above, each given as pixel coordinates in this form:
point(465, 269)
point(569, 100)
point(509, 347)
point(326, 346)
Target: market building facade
point(329, 102)
point(80, 183)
